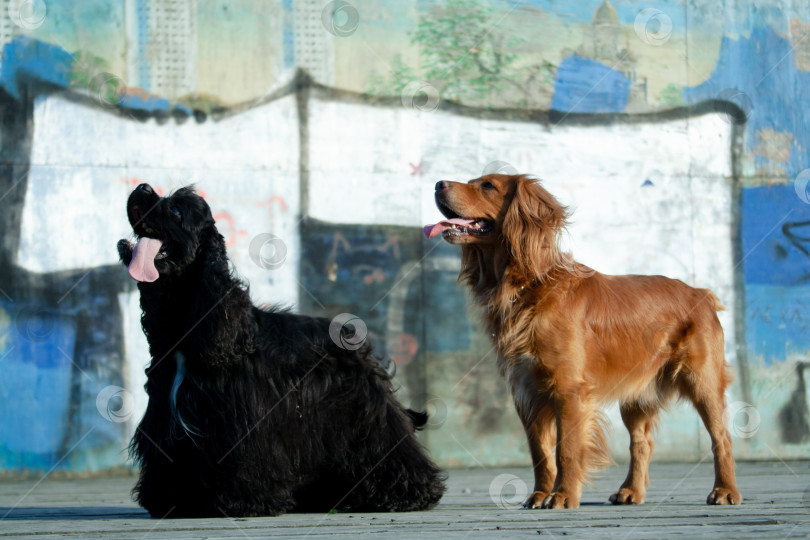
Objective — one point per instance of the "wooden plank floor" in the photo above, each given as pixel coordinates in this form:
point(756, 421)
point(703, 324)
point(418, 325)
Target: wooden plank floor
point(478, 504)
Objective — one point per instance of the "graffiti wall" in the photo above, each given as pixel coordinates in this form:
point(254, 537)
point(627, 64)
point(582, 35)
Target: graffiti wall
point(317, 130)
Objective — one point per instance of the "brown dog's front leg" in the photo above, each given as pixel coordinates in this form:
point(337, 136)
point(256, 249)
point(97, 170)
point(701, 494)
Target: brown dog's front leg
point(575, 415)
point(541, 434)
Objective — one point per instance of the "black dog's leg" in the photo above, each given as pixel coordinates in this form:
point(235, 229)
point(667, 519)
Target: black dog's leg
point(280, 501)
point(166, 494)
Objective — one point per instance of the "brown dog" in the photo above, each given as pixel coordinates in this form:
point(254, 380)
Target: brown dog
point(570, 338)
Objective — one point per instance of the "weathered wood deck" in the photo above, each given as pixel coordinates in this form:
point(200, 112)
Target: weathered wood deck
point(777, 505)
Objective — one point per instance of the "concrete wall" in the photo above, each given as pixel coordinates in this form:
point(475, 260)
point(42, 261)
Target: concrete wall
point(681, 153)
point(656, 195)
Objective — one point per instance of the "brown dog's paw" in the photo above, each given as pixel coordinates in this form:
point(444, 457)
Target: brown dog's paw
point(721, 495)
point(535, 500)
point(627, 496)
point(559, 499)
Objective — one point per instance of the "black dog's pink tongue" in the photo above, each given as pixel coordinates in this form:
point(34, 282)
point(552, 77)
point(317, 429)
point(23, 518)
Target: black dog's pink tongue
point(433, 230)
point(142, 266)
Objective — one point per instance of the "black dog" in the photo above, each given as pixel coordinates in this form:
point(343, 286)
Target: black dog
point(255, 412)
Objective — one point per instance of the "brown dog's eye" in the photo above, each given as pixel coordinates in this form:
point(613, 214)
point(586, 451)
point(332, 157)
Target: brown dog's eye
point(487, 185)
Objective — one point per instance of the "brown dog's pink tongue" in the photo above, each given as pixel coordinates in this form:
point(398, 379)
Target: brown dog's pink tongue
point(433, 230)
point(142, 266)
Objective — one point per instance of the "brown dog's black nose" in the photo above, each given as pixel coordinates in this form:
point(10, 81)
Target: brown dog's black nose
point(442, 185)
point(146, 188)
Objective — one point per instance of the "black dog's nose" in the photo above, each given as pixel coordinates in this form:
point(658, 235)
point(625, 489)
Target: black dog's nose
point(442, 185)
point(146, 188)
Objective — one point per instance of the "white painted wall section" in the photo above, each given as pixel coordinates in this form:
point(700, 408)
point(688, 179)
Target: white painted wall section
point(245, 165)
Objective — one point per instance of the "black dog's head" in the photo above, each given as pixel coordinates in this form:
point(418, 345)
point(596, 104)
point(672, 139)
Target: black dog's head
point(170, 232)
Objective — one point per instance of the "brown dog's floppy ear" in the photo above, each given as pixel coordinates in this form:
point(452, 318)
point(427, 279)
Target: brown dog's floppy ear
point(530, 228)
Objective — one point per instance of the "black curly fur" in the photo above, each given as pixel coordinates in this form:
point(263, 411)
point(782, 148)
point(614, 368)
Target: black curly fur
point(269, 415)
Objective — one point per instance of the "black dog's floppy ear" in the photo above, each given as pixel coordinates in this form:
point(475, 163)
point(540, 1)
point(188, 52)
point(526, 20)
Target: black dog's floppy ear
point(195, 214)
point(212, 243)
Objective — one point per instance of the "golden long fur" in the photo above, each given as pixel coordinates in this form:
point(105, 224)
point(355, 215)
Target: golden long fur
point(570, 339)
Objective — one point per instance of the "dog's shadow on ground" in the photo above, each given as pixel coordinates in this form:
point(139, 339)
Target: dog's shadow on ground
point(61, 513)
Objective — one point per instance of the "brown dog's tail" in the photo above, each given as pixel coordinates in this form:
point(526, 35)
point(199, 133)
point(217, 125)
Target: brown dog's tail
point(728, 370)
point(714, 301)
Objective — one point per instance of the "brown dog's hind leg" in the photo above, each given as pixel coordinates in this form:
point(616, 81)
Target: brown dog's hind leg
point(640, 423)
point(711, 410)
point(706, 387)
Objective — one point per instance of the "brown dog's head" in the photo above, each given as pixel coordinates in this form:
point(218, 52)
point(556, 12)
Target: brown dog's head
point(513, 212)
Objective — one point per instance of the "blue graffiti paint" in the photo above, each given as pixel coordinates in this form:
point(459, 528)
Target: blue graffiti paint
point(773, 222)
point(763, 67)
point(150, 104)
point(583, 85)
point(777, 322)
point(36, 362)
point(775, 236)
point(48, 411)
point(26, 60)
